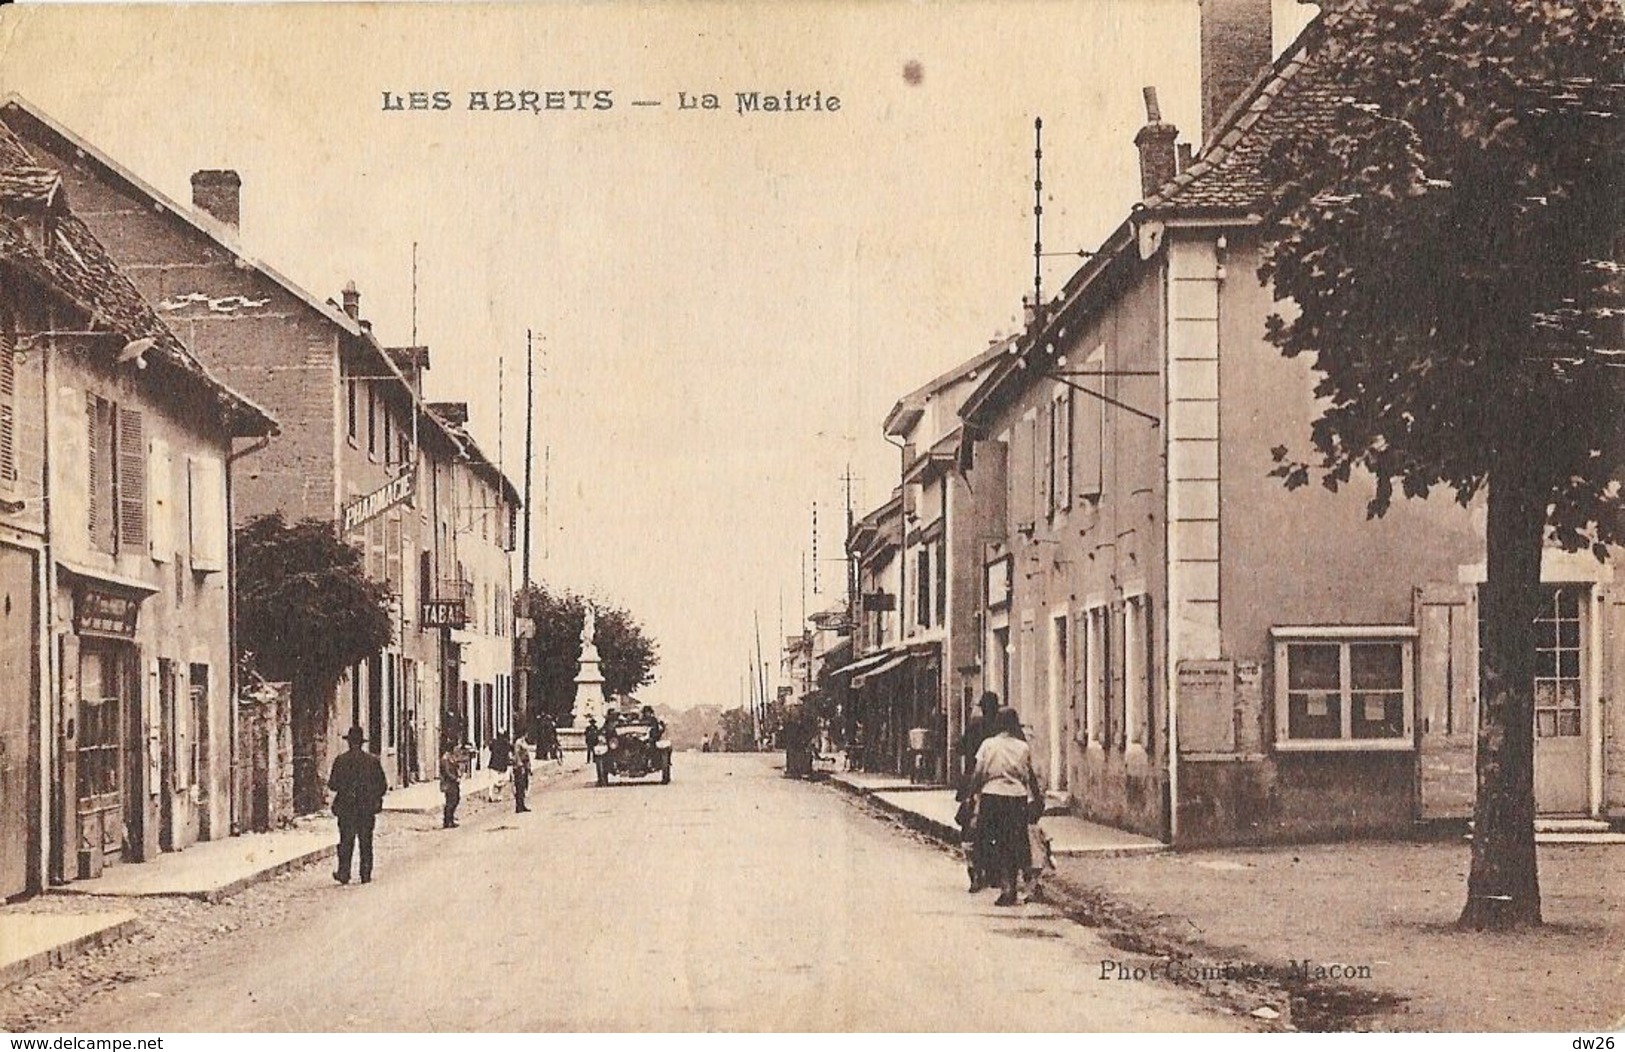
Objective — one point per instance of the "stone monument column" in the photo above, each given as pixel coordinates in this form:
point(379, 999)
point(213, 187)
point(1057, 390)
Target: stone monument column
point(589, 679)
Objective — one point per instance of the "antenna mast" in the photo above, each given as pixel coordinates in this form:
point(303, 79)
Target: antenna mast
point(1038, 215)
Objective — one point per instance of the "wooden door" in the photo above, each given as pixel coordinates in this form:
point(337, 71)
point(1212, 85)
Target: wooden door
point(1447, 698)
point(19, 685)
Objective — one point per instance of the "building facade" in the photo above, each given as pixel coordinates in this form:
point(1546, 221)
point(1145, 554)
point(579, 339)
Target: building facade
point(360, 447)
point(1225, 661)
point(117, 671)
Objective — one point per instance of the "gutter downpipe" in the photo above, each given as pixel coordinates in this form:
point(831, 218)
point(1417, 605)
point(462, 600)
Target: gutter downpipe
point(232, 683)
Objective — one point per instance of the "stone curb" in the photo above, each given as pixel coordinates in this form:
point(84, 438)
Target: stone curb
point(61, 953)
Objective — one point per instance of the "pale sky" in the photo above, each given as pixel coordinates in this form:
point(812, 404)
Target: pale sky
point(726, 306)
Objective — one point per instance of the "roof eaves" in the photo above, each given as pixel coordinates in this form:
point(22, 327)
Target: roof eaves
point(203, 224)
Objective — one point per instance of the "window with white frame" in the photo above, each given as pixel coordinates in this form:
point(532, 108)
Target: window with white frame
point(1343, 688)
point(1098, 682)
point(1137, 670)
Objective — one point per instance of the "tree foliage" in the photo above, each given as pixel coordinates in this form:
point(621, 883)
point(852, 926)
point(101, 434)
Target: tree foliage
point(306, 612)
point(306, 609)
point(628, 657)
point(1451, 253)
point(1451, 256)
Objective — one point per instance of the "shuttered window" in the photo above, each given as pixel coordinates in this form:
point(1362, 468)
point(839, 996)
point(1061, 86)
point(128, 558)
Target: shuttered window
point(99, 474)
point(392, 554)
point(206, 485)
point(8, 413)
point(161, 486)
point(132, 481)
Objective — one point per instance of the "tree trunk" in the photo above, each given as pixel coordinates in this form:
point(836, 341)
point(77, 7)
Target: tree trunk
point(311, 701)
point(1503, 890)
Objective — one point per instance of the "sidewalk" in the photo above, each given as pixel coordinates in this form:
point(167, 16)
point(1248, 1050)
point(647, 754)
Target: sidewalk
point(35, 942)
point(931, 810)
point(1361, 935)
point(1348, 936)
point(209, 872)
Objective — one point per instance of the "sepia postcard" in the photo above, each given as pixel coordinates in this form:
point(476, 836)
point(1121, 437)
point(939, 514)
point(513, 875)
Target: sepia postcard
point(792, 517)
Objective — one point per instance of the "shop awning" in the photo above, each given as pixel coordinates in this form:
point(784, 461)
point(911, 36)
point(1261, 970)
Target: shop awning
point(868, 661)
point(896, 661)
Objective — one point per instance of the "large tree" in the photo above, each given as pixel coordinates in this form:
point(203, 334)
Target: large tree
point(1450, 254)
point(628, 656)
point(306, 612)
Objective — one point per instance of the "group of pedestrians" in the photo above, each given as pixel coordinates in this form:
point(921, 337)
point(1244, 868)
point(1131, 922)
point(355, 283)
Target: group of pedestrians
point(358, 785)
point(1000, 802)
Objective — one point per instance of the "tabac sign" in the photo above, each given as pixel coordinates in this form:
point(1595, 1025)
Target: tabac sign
point(363, 510)
point(443, 613)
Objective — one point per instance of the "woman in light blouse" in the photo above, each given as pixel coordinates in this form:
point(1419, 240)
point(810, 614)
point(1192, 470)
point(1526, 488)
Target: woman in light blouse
point(1004, 783)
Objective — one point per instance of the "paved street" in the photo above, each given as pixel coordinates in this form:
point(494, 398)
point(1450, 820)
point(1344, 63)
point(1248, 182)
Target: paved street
point(730, 900)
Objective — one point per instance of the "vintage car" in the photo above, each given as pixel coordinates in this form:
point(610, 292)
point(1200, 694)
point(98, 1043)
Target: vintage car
point(633, 749)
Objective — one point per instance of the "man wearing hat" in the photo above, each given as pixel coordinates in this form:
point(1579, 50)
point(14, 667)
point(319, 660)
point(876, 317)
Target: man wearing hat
point(358, 786)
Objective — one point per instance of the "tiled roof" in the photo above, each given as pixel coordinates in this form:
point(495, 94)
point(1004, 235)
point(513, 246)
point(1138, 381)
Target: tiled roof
point(1292, 97)
point(70, 260)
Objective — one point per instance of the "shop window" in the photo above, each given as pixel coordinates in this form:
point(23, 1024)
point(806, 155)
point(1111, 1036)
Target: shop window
point(1337, 692)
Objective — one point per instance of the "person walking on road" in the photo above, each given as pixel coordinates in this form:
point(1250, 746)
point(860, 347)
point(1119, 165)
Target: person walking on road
point(521, 774)
point(358, 786)
point(451, 774)
point(590, 736)
point(977, 730)
point(1006, 785)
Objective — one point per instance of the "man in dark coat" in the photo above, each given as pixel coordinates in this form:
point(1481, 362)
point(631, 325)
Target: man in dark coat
point(358, 786)
point(590, 736)
point(521, 774)
point(451, 776)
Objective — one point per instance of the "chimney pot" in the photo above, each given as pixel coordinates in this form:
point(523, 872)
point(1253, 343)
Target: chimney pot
point(1158, 159)
point(1236, 47)
point(352, 300)
point(218, 192)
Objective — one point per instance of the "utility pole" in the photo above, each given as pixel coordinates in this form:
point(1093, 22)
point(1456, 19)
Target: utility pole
point(530, 428)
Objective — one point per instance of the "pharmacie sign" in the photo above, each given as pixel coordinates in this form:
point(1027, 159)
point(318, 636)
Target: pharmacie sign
point(363, 510)
point(99, 613)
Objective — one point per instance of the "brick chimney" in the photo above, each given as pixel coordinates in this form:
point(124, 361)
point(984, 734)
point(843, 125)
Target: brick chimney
point(352, 300)
point(1236, 47)
point(217, 191)
point(1159, 158)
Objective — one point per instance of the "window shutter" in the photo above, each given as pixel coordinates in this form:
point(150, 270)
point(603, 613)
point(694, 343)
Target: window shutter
point(207, 500)
point(95, 513)
point(132, 481)
point(1046, 474)
point(392, 554)
point(8, 413)
point(1064, 443)
point(161, 525)
point(375, 550)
